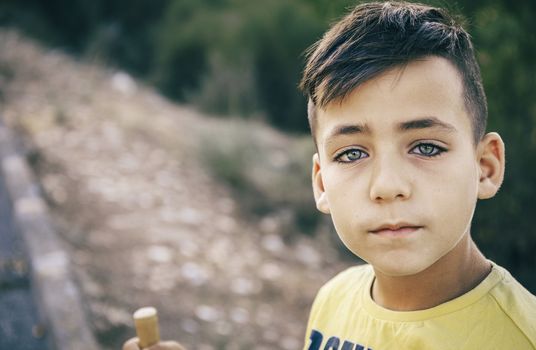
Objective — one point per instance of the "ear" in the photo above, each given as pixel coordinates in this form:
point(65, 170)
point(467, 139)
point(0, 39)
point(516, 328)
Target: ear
point(491, 161)
point(321, 199)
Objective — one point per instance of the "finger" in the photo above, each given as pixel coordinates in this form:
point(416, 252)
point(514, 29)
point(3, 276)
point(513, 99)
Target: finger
point(131, 344)
point(167, 345)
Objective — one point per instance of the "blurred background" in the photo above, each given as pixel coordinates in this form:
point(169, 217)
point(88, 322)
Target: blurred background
point(171, 143)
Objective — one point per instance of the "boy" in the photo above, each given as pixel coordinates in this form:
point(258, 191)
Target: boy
point(398, 113)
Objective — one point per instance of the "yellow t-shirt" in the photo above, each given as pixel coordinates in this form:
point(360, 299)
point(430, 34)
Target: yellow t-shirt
point(497, 314)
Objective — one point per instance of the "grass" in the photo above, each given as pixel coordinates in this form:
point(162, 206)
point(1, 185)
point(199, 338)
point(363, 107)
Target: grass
point(269, 172)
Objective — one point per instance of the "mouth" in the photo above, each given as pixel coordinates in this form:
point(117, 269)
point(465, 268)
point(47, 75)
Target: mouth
point(398, 229)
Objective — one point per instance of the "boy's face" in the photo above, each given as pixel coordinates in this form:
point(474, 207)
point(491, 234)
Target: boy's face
point(397, 168)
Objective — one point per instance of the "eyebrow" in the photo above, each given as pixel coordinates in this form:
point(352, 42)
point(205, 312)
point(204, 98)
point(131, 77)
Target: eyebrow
point(425, 123)
point(416, 124)
point(350, 130)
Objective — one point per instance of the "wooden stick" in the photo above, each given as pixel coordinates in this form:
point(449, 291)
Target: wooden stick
point(146, 322)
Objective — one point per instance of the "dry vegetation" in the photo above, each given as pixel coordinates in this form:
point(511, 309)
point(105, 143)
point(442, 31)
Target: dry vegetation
point(133, 184)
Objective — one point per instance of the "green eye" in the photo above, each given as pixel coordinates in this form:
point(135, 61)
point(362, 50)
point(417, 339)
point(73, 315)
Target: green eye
point(351, 155)
point(354, 155)
point(428, 150)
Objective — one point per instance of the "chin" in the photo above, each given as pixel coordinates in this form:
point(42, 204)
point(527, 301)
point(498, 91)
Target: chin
point(400, 267)
point(398, 271)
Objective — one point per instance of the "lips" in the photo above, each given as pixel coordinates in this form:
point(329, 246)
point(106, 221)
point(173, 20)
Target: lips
point(396, 229)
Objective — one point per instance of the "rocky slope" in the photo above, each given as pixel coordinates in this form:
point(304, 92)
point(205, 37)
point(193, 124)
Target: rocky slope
point(143, 221)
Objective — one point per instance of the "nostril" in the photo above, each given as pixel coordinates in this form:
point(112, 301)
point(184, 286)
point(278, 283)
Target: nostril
point(389, 193)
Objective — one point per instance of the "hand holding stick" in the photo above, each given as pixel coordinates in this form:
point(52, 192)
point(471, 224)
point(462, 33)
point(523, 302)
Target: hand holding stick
point(146, 322)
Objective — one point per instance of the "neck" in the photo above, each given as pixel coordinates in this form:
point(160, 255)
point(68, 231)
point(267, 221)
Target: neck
point(456, 273)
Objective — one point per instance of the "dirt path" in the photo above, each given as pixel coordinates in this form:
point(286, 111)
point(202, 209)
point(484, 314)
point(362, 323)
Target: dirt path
point(142, 220)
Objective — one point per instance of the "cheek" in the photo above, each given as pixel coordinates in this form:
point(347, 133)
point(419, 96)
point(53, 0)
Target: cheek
point(348, 210)
point(456, 195)
point(456, 176)
point(345, 184)
point(345, 194)
point(465, 181)
point(340, 201)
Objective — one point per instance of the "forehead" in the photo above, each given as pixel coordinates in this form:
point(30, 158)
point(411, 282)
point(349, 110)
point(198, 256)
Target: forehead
point(424, 88)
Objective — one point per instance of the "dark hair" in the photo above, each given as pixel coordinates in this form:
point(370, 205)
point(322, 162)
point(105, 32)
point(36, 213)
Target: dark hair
point(377, 36)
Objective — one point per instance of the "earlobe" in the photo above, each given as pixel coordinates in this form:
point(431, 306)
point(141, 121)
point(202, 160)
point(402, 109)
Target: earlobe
point(321, 199)
point(491, 162)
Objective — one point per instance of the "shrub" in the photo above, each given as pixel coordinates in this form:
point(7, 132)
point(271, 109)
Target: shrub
point(269, 172)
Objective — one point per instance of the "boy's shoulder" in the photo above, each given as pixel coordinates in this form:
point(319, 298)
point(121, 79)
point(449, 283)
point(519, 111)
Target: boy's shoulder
point(354, 273)
point(348, 281)
point(340, 293)
point(516, 302)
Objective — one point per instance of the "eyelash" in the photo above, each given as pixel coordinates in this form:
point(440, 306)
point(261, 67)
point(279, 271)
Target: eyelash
point(437, 150)
point(348, 151)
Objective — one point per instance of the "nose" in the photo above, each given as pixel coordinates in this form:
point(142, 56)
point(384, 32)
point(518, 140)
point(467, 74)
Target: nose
point(389, 181)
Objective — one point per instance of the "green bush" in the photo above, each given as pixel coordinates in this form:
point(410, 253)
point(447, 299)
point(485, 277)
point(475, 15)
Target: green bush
point(507, 49)
point(268, 172)
point(237, 56)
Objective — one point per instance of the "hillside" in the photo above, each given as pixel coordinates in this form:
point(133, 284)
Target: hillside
point(144, 220)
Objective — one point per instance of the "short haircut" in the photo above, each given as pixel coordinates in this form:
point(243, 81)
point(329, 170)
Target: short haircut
point(378, 36)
